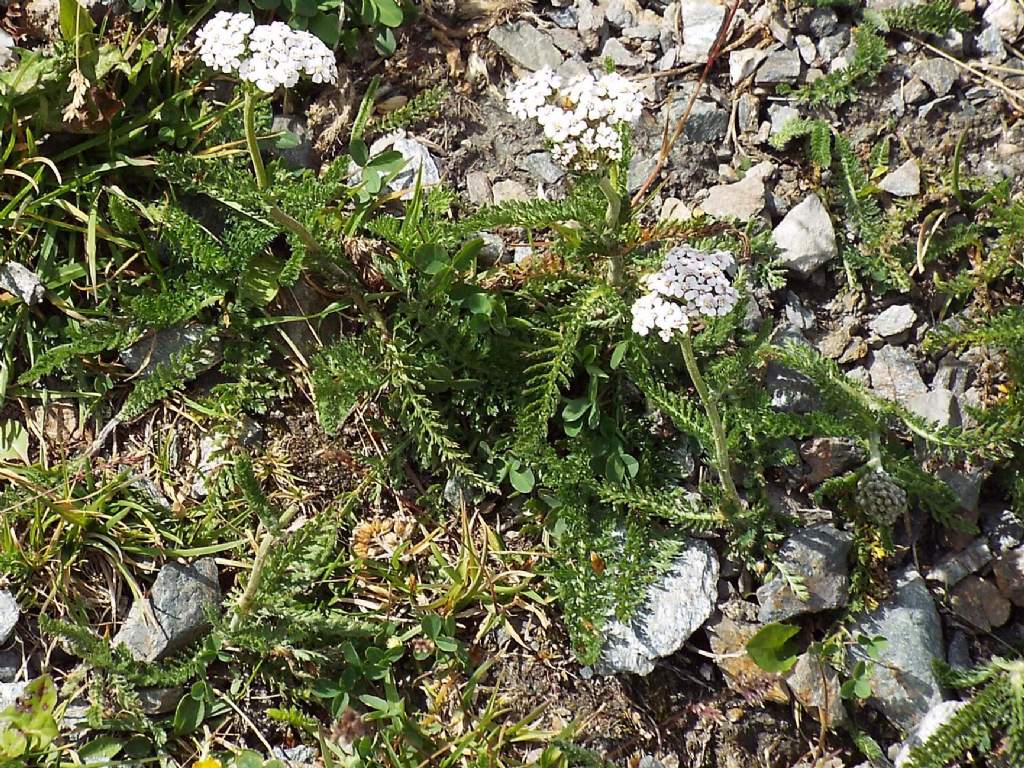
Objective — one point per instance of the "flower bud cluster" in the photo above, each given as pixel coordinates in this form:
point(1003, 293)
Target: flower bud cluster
point(581, 117)
point(690, 284)
point(268, 55)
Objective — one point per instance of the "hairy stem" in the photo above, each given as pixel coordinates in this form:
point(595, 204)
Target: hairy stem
point(249, 120)
point(252, 586)
point(721, 458)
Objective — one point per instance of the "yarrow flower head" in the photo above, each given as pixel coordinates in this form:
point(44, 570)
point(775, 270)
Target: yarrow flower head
point(268, 55)
point(581, 118)
point(690, 284)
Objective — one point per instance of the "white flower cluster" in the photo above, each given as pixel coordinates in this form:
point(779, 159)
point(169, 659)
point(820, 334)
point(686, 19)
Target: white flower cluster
point(689, 284)
point(580, 118)
point(268, 55)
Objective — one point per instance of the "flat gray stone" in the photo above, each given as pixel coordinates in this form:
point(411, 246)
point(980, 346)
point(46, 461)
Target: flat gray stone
point(904, 181)
point(743, 63)
point(933, 720)
point(989, 43)
point(915, 91)
point(542, 167)
point(10, 612)
point(478, 188)
point(504, 191)
point(179, 601)
point(159, 701)
point(708, 122)
point(1009, 573)
point(818, 557)
point(806, 237)
point(147, 354)
point(525, 45)
point(621, 13)
point(742, 200)
point(903, 683)
point(779, 67)
point(827, 457)
point(894, 374)
point(620, 54)
point(939, 406)
point(10, 663)
point(894, 320)
point(675, 607)
point(701, 21)
point(938, 74)
point(419, 164)
point(1007, 16)
point(780, 115)
point(21, 281)
point(956, 566)
point(831, 46)
point(821, 22)
point(816, 687)
point(9, 693)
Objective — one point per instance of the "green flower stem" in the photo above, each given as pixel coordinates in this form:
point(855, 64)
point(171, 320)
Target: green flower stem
point(718, 431)
point(249, 120)
point(252, 586)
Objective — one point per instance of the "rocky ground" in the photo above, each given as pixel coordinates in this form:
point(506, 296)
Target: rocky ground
point(674, 686)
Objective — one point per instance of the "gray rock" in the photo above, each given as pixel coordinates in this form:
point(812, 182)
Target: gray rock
point(493, 251)
point(1007, 16)
point(904, 181)
point(642, 32)
point(478, 188)
point(806, 237)
point(894, 374)
point(525, 45)
point(954, 567)
point(10, 663)
point(10, 692)
point(930, 723)
point(591, 19)
point(674, 608)
point(990, 44)
point(939, 406)
point(797, 314)
point(701, 21)
point(979, 603)
point(816, 687)
point(503, 191)
point(827, 457)
point(831, 46)
point(159, 701)
point(790, 391)
point(915, 91)
point(639, 169)
point(568, 41)
point(1004, 529)
point(621, 13)
point(965, 483)
point(817, 556)
point(21, 281)
point(299, 756)
point(419, 163)
point(540, 165)
point(708, 122)
point(958, 653)
point(743, 200)
point(779, 67)
point(10, 612)
point(780, 115)
point(747, 112)
point(179, 601)
point(937, 74)
point(894, 320)
point(805, 46)
point(821, 22)
point(620, 54)
point(903, 683)
point(147, 354)
point(1009, 573)
point(302, 155)
point(564, 18)
point(743, 63)
point(953, 374)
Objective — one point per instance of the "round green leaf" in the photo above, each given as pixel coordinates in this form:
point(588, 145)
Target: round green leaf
point(771, 648)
